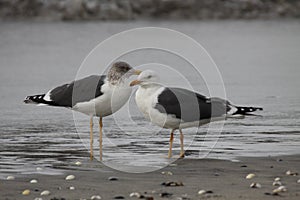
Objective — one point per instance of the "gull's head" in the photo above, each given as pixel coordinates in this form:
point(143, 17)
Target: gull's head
point(119, 71)
point(147, 77)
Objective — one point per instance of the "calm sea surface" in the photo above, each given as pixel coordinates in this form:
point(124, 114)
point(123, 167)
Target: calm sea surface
point(258, 60)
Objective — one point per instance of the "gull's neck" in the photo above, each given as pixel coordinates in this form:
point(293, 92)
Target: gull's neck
point(150, 87)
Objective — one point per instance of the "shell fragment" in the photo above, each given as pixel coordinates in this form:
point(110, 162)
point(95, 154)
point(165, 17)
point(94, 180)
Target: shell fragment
point(10, 178)
point(291, 173)
point(277, 183)
point(255, 185)
point(26, 192)
point(201, 192)
point(250, 176)
point(135, 194)
point(45, 193)
point(78, 163)
point(279, 189)
point(70, 177)
point(95, 197)
point(277, 179)
point(71, 188)
point(33, 181)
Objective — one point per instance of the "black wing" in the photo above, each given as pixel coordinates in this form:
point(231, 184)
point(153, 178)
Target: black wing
point(190, 106)
point(82, 90)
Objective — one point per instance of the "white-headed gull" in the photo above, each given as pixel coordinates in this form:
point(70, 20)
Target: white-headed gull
point(178, 108)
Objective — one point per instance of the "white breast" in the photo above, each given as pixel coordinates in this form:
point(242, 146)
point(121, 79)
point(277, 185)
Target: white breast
point(146, 99)
point(112, 99)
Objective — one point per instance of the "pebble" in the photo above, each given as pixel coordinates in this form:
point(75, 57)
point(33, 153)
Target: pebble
point(277, 183)
point(167, 173)
point(291, 173)
point(10, 178)
point(279, 189)
point(250, 176)
point(255, 185)
point(172, 164)
point(71, 188)
point(45, 193)
point(277, 179)
point(38, 198)
point(95, 197)
point(39, 169)
point(70, 177)
point(33, 181)
point(26, 192)
point(113, 178)
point(298, 181)
point(78, 163)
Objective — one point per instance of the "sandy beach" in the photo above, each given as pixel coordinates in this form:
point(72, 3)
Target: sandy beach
point(219, 178)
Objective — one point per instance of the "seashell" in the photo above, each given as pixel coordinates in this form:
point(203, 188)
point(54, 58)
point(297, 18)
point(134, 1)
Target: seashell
point(38, 198)
point(135, 194)
point(45, 193)
point(39, 169)
point(277, 179)
point(291, 173)
point(167, 173)
point(70, 177)
point(94, 197)
point(298, 181)
point(26, 192)
point(279, 189)
point(250, 176)
point(201, 192)
point(277, 183)
point(71, 188)
point(172, 164)
point(33, 181)
point(78, 163)
point(10, 178)
point(255, 185)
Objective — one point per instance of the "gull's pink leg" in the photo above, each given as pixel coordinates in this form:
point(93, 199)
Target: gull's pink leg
point(171, 144)
point(91, 139)
point(100, 137)
point(181, 144)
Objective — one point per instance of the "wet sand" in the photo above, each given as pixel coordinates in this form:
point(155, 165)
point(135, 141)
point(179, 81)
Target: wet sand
point(223, 179)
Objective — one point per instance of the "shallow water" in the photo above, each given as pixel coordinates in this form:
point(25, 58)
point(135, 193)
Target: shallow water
point(258, 60)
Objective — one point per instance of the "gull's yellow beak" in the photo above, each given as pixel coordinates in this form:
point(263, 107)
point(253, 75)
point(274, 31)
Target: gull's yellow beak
point(135, 82)
point(137, 72)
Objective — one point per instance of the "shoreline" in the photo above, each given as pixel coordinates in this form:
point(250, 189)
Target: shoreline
point(222, 178)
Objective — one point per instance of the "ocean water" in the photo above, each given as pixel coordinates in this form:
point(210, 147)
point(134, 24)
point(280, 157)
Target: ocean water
point(258, 61)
